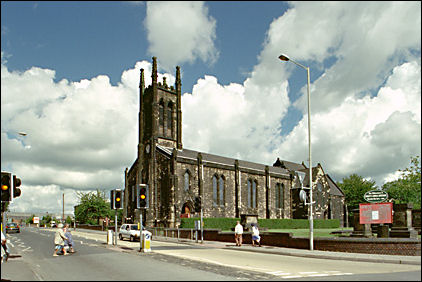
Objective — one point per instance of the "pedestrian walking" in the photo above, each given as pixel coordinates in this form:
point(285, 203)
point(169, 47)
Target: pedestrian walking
point(238, 231)
point(255, 235)
point(69, 241)
point(4, 250)
point(59, 239)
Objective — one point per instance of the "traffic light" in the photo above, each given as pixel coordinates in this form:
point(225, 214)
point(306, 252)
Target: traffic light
point(116, 199)
point(197, 204)
point(6, 188)
point(112, 199)
point(16, 183)
point(142, 196)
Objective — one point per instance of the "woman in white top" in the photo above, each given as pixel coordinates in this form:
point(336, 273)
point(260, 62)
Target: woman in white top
point(255, 235)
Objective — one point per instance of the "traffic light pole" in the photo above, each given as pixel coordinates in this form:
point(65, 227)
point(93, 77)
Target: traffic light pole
point(115, 227)
point(140, 230)
point(4, 223)
point(202, 228)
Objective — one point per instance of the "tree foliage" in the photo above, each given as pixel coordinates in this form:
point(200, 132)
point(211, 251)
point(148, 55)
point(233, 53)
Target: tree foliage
point(354, 188)
point(92, 207)
point(407, 189)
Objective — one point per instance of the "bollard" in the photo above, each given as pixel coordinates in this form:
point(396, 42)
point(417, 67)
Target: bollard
point(109, 237)
point(146, 241)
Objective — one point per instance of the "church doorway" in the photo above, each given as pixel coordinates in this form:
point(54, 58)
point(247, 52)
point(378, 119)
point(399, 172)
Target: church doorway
point(186, 209)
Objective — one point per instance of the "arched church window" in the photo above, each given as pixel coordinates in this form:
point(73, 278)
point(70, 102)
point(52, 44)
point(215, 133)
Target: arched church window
point(221, 191)
point(187, 180)
point(279, 196)
point(170, 118)
point(161, 116)
point(252, 193)
point(214, 190)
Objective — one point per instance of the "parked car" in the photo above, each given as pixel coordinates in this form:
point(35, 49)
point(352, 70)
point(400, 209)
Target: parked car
point(129, 231)
point(12, 227)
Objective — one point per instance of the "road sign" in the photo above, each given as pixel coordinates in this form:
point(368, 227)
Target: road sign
point(376, 213)
point(375, 196)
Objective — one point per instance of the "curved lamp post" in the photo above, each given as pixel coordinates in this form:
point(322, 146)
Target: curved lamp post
point(283, 57)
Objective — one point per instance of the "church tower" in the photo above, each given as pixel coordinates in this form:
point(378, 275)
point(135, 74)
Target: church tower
point(160, 123)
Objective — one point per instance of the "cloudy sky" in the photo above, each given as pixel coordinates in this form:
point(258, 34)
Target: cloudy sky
point(70, 71)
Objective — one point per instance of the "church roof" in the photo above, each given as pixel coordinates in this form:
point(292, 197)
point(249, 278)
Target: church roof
point(216, 159)
point(334, 189)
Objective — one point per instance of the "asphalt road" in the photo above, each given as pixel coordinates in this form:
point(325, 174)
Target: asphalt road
point(33, 249)
point(32, 259)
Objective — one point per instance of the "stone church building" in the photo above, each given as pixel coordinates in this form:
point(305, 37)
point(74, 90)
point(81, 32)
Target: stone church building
point(228, 187)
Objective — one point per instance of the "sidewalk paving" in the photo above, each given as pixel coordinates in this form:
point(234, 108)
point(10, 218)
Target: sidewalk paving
point(415, 260)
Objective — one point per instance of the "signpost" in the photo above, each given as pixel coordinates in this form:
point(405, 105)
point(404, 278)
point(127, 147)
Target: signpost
point(36, 220)
point(375, 196)
point(376, 212)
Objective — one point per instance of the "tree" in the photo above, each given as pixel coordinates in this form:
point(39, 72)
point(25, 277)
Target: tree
point(407, 189)
point(92, 207)
point(68, 220)
point(30, 220)
point(354, 188)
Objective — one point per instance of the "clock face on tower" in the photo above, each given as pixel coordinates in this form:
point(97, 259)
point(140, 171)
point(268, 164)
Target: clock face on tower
point(147, 148)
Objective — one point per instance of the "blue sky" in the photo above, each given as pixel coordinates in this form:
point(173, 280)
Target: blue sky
point(80, 39)
point(70, 72)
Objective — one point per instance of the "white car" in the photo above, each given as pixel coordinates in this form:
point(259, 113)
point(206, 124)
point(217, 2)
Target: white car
point(129, 231)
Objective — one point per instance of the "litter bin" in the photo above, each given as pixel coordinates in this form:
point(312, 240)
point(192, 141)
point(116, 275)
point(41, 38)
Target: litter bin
point(146, 241)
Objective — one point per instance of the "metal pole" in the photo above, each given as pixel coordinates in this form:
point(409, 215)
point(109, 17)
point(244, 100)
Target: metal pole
point(63, 219)
point(202, 229)
point(3, 224)
point(140, 231)
point(115, 227)
point(311, 220)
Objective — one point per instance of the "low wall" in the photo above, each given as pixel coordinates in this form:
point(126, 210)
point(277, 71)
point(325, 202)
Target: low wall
point(386, 246)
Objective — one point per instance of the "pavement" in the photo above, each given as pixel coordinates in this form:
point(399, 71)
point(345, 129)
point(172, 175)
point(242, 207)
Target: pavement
point(396, 259)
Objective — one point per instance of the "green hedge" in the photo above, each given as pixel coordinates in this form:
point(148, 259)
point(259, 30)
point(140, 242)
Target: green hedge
point(286, 223)
point(229, 223)
point(222, 223)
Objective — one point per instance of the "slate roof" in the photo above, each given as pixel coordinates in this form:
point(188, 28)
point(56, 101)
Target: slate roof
point(210, 158)
point(334, 189)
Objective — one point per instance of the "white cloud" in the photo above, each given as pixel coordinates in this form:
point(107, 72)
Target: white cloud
point(80, 135)
point(45, 198)
point(366, 115)
point(180, 32)
point(348, 116)
point(369, 136)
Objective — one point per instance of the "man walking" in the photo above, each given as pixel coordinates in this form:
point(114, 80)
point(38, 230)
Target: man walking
point(238, 231)
point(59, 239)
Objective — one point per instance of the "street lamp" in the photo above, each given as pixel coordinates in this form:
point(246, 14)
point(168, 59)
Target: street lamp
point(283, 57)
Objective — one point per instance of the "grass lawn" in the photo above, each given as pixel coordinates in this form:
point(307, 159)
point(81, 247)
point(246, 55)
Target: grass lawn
point(317, 232)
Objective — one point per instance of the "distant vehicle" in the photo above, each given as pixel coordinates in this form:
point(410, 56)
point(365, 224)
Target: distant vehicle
point(53, 224)
point(129, 231)
point(12, 227)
